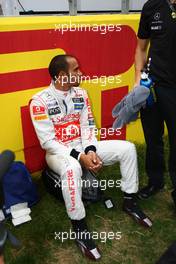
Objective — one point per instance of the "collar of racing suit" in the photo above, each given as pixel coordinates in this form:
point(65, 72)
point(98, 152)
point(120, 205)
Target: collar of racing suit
point(60, 93)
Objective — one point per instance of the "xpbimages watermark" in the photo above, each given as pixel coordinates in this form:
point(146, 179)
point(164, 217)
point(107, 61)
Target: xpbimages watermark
point(102, 236)
point(103, 29)
point(102, 183)
point(102, 80)
point(74, 131)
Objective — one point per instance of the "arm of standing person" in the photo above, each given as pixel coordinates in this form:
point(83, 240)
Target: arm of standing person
point(140, 58)
point(144, 34)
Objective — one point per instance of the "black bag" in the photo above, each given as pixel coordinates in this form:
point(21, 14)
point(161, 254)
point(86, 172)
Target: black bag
point(91, 191)
point(52, 183)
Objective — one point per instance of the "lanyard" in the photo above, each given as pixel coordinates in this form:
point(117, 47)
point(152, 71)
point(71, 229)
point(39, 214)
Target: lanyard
point(172, 8)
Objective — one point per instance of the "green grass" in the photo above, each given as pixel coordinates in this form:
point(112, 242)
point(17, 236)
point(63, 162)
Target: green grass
point(137, 245)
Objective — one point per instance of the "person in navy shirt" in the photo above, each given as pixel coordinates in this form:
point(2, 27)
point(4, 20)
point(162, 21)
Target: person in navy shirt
point(158, 28)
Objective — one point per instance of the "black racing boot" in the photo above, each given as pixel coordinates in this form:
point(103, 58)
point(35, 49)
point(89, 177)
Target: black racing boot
point(84, 240)
point(131, 208)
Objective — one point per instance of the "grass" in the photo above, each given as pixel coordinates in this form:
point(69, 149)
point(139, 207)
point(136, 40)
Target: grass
point(136, 246)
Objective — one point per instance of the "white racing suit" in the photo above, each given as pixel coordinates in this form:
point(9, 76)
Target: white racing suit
point(65, 128)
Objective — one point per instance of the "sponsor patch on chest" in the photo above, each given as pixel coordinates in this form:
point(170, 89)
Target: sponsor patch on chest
point(91, 122)
point(38, 110)
point(67, 131)
point(78, 106)
point(54, 111)
point(78, 100)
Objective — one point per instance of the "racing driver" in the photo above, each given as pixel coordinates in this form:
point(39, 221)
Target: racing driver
point(63, 121)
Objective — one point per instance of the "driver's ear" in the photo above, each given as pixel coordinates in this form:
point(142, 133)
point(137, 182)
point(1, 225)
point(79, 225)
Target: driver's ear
point(61, 78)
point(63, 73)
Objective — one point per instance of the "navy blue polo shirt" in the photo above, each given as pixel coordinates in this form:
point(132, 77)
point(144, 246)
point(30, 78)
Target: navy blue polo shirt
point(157, 24)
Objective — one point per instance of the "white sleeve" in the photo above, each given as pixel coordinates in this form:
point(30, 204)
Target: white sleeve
point(87, 125)
point(45, 130)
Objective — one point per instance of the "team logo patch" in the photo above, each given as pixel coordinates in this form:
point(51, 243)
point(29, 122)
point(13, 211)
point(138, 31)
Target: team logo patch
point(78, 106)
point(78, 100)
point(67, 131)
point(157, 16)
point(91, 122)
point(40, 117)
point(38, 110)
point(54, 111)
point(52, 104)
point(49, 96)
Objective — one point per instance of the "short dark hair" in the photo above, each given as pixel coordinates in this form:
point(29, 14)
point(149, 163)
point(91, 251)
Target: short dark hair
point(58, 63)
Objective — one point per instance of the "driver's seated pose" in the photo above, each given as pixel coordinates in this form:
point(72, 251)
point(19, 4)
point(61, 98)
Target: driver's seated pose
point(64, 124)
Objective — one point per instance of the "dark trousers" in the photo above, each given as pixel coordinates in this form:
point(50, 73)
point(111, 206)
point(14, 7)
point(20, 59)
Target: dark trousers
point(152, 119)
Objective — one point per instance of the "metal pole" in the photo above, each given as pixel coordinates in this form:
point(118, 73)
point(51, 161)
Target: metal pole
point(72, 7)
point(125, 6)
point(1, 12)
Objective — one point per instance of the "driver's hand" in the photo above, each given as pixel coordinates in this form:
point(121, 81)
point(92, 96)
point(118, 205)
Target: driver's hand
point(91, 161)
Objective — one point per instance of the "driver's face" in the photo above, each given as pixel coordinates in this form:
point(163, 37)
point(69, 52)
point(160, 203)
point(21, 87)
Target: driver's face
point(74, 72)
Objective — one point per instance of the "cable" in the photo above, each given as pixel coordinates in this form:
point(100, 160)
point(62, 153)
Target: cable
point(21, 5)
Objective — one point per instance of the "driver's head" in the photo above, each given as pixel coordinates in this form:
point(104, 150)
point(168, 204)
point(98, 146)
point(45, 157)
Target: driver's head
point(64, 70)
